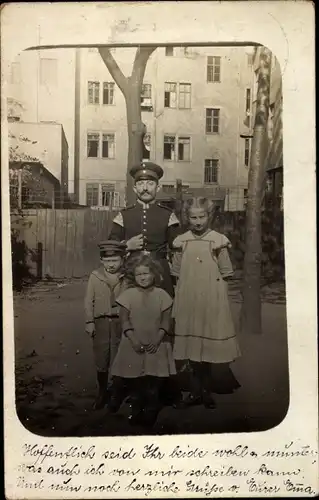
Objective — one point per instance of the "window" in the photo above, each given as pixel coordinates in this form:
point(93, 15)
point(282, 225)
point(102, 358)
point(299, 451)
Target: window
point(147, 147)
point(212, 120)
point(93, 139)
point(213, 69)
point(94, 92)
point(92, 195)
point(108, 93)
point(15, 76)
point(248, 106)
point(185, 95)
point(211, 171)
point(48, 71)
point(170, 95)
point(168, 188)
point(184, 148)
point(169, 51)
point(169, 147)
point(107, 191)
point(146, 97)
point(146, 91)
point(247, 152)
point(108, 146)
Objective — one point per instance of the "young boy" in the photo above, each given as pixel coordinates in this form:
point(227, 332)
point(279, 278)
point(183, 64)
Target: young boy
point(102, 314)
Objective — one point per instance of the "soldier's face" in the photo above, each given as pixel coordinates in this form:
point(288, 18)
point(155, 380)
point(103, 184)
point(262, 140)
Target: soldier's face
point(146, 190)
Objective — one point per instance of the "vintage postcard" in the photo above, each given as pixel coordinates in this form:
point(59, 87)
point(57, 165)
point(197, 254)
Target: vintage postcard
point(159, 250)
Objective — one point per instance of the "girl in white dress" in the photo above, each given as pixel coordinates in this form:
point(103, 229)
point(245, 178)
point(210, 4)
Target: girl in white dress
point(144, 357)
point(204, 329)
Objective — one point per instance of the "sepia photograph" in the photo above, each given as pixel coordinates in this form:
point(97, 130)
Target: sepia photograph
point(147, 233)
point(159, 249)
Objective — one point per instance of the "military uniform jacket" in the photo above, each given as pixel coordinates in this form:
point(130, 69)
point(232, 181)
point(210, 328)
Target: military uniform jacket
point(157, 223)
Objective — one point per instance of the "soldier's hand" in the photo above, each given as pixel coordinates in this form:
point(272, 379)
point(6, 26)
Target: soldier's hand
point(90, 329)
point(135, 243)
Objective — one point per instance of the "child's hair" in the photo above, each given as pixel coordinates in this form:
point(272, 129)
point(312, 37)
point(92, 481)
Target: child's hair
point(136, 260)
point(199, 202)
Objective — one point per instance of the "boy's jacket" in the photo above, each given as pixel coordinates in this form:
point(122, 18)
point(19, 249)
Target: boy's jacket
point(102, 290)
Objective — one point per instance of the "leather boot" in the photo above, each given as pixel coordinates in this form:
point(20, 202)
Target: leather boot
point(101, 400)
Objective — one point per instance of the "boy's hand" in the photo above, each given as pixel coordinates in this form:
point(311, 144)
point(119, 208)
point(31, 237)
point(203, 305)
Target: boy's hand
point(90, 329)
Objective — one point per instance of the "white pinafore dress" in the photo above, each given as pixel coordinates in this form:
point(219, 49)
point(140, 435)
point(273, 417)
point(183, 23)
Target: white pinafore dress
point(204, 328)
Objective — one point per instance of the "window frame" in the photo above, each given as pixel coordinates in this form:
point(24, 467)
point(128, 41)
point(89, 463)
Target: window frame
point(110, 189)
point(94, 185)
point(96, 82)
point(181, 137)
point(217, 160)
point(212, 132)
point(247, 152)
point(148, 134)
point(106, 133)
point(184, 94)
point(171, 92)
point(97, 133)
point(174, 148)
point(213, 66)
point(113, 94)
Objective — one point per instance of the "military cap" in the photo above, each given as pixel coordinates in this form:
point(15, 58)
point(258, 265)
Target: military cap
point(110, 248)
point(146, 170)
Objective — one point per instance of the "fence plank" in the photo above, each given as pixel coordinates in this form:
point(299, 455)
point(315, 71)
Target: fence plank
point(42, 215)
point(61, 221)
point(78, 270)
point(50, 244)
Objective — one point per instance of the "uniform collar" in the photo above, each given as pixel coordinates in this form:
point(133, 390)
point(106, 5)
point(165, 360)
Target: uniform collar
point(145, 205)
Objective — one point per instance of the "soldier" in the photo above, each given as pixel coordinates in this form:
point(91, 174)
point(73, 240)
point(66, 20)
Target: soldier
point(150, 227)
point(147, 226)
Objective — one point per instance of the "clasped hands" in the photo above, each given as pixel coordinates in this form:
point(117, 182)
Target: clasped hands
point(150, 348)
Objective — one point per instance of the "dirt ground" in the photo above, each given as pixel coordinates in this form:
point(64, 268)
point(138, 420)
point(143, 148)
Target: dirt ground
point(55, 376)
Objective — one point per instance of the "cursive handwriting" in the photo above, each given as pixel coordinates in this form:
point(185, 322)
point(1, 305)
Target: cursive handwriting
point(41, 453)
point(153, 470)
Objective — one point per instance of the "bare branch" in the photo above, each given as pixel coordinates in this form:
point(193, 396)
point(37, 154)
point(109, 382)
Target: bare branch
point(142, 56)
point(113, 68)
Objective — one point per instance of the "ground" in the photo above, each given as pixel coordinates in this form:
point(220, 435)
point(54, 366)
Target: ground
point(55, 377)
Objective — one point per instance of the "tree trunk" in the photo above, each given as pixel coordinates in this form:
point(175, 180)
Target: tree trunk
point(131, 88)
point(250, 320)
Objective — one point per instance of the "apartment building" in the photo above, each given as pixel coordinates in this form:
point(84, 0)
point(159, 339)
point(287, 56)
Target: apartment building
point(41, 99)
point(274, 157)
point(196, 102)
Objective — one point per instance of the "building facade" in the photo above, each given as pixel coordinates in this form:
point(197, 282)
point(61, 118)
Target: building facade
point(43, 143)
point(195, 104)
point(274, 156)
point(41, 101)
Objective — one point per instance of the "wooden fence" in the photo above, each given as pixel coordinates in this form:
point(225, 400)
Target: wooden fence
point(62, 243)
